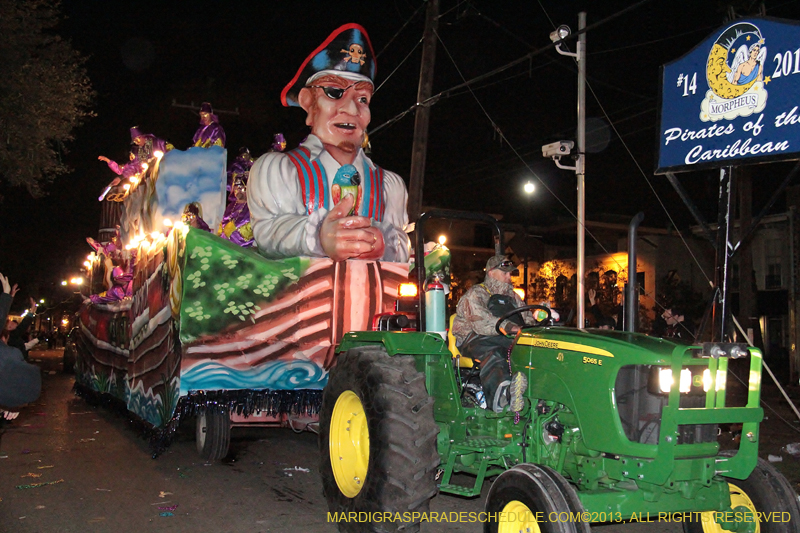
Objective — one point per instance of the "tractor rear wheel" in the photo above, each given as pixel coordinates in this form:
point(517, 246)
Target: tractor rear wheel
point(213, 434)
point(764, 493)
point(377, 440)
point(533, 498)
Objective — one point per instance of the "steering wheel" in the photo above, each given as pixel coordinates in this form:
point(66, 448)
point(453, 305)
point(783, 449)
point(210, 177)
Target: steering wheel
point(513, 312)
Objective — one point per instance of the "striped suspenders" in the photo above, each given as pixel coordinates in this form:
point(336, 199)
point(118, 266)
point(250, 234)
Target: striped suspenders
point(374, 205)
point(313, 181)
point(314, 185)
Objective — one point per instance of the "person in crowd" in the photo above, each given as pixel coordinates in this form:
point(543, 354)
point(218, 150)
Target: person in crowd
point(289, 194)
point(677, 326)
point(606, 322)
point(20, 382)
point(18, 331)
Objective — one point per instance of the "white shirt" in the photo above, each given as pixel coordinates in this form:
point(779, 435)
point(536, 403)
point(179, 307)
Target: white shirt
point(281, 224)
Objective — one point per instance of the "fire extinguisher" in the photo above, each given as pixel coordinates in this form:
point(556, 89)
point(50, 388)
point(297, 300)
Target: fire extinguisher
point(435, 308)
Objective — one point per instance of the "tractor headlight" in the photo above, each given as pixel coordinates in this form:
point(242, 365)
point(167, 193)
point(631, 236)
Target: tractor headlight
point(695, 380)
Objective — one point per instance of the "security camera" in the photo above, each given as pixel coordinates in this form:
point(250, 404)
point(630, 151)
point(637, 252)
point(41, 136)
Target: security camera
point(557, 149)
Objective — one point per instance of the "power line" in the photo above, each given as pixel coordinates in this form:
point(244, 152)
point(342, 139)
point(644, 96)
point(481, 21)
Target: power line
point(414, 14)
point(398, 65)
point(467, 83)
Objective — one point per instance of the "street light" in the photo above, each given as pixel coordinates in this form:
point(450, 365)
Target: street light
point(556, 150)
point(560, 33)
point(529, 187)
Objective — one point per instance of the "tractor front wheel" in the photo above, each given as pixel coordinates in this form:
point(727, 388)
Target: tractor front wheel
point(533, 498)
point(765, 493)
point(377, 441)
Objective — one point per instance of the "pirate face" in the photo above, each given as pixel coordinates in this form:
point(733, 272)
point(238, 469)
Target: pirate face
point(338, 111)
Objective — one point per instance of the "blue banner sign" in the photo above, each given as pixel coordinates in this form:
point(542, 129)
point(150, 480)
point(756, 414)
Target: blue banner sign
point(733, 100)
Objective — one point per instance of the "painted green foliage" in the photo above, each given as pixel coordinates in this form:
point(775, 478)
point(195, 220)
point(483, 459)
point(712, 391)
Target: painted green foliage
point(226, 285)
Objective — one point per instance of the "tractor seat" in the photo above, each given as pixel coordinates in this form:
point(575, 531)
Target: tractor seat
point(463, 362)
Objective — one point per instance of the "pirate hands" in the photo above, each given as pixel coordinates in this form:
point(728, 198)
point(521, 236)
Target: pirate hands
point(349, 237)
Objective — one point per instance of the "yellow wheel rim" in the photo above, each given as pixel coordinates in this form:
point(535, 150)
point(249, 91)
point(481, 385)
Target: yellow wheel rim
point(349, 444)
point(740, 503)
point(518, 519)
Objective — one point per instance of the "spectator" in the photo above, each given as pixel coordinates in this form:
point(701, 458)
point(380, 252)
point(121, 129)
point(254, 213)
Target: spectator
point(20, 382)
point(606, 322)
point(675, 325)
point(18, 336)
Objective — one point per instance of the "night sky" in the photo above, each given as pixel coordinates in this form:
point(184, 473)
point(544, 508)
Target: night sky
point(239, 55)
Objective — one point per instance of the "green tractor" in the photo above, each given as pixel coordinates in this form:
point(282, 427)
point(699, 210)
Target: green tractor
point(615, 426)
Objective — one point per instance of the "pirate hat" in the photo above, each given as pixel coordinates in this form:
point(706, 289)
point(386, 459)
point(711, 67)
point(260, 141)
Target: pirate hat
point(347, 52)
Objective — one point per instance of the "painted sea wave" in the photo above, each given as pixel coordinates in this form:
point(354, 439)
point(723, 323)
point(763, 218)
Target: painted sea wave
point(275, 375)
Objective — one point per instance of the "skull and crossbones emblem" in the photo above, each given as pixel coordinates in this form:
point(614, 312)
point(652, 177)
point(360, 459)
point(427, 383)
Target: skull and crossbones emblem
point(356, 53)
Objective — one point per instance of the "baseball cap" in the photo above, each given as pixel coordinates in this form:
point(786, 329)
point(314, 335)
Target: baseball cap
point(500, 262)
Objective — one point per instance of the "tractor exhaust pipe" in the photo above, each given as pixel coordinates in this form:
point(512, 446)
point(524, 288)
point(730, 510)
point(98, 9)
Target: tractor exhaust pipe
point(631, 289)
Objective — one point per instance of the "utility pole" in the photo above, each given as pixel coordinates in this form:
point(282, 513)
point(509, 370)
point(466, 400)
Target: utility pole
point(558, 37)
point(419, 146)
point(580, 170)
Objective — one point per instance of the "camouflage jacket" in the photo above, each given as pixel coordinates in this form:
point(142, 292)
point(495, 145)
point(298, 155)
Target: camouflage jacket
point(473, 316)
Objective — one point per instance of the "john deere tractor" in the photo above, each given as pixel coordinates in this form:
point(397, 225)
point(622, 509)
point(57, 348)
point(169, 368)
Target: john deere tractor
point(615, 426)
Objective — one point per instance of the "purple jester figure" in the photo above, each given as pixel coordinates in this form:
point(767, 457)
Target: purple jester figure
point(210, 133)
point(235, 225)
point(240, 167)
point(121, 285)
point(148, 146)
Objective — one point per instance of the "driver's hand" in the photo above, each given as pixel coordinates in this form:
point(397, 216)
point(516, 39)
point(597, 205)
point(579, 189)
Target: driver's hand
point(512, 329)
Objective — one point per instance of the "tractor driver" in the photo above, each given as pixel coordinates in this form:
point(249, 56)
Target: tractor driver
point(474, 329)
point(326, 198)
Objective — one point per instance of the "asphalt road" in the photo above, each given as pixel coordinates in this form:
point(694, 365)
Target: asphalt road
point(95, 474)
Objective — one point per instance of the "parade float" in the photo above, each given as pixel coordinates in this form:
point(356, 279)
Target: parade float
point(202, 326)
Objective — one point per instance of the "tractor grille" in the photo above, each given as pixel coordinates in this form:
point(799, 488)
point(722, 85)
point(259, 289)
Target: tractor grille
point(640, 409)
